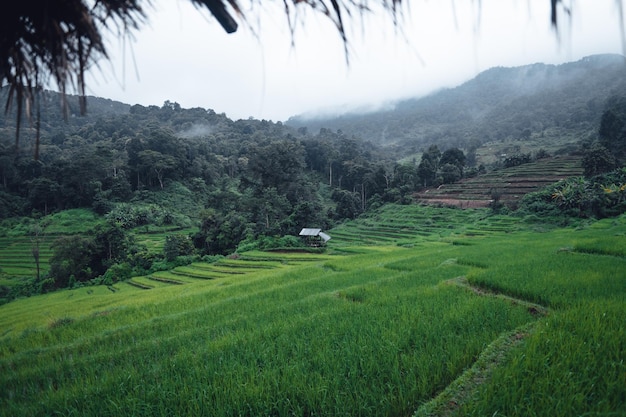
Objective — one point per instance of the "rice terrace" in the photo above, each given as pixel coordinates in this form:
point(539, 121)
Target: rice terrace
point(457, 254)
point(438, 311)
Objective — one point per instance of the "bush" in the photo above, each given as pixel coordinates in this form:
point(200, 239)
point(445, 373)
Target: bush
point(600, 196)
point(101, 204)
point(177, 245)
point(118, 272)
point(284, 242)
point(247, 245)
point(517, 159)
point(211, 258)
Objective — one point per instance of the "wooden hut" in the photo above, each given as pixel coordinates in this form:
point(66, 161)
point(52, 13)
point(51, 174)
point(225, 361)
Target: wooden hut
point(314, 237)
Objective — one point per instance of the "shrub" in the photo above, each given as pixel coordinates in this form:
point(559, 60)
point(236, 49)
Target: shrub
point(284, 242)
point(118, 272)
point(177, 245)
point(517, 159)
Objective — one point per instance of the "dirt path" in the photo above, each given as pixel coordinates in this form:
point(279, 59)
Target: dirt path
point(466, 385)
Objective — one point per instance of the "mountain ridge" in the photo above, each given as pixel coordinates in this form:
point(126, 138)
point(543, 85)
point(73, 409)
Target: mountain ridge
point(499, 103)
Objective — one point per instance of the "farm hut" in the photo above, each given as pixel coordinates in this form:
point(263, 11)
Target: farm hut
point(314, 237)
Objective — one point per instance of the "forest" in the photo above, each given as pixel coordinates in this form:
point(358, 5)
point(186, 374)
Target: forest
point(222, 183)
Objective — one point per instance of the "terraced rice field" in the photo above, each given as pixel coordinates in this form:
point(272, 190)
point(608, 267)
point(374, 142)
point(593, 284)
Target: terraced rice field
point(16, 258)
point(436, 324)
point(513, 183)
point(17, 261)
point(408, 225)
point(154, 240)
point(232, 267)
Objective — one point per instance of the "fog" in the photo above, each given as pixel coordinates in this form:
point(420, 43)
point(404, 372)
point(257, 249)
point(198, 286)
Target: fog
point(260, 71)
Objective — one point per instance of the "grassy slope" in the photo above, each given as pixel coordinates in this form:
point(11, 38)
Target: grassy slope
point(17, 241)
point(371, 330)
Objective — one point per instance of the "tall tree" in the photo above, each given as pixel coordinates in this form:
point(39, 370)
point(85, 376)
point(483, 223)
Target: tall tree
point(72, 259)
point(154, 163)
point(453, 156)
point(275, 163)
point(597, 160)
point(42, 192)
point(612, 132)
point(429, 165)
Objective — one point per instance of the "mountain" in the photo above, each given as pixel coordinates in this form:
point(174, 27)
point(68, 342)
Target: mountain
point(499, 104)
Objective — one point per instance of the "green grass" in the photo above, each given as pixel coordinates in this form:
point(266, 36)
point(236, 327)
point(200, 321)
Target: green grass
point(408, 225)
point(274, 343)
point(154, 238)
point(74, 221)
point(571, 364)
point(510, 322)
point(16, 259)
point(17, 241)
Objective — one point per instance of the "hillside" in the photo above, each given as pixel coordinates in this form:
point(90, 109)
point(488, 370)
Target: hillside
point(435, 318)
point(551, 102)
point(511, 184)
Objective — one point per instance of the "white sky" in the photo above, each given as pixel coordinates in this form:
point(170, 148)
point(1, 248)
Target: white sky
point(183, 55)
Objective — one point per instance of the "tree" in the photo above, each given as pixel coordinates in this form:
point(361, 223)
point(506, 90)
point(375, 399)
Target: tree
point(496, 194)
point(177, 245)
point(275, 164)
point(348, 204)
point(574, 193)
point(275, 176)
point(220, 234)
point(112, 244)
point(455, 157)
point(71, 260)
point(155, 163)
point(42, 191)
point(406, 175)
point(429, 165)
point(597, 160)
point(450, 173)
point(517, 159)
point(612, 132)
point(37, 233)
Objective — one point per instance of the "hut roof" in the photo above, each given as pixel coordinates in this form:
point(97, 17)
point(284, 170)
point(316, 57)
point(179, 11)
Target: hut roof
point(324, 236)
point(310, 232)
point(314, 232)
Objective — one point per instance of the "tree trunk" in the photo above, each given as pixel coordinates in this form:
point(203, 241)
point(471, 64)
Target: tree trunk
point(330, 177)
point(159, 173)
point(362, 196)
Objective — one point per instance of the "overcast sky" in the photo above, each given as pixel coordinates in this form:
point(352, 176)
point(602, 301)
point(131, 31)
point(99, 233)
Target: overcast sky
point(183, 55)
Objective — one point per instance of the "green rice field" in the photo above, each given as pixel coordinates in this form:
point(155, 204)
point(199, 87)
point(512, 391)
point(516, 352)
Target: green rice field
point(411, 311)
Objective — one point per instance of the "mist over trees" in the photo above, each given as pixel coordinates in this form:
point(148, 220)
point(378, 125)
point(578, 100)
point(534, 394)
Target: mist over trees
point(499, 104)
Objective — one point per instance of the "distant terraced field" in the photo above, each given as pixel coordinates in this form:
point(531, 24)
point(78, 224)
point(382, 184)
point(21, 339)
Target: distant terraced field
point(16, 259)
point(408, 225)
point(234, 266)
point(513, 183)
